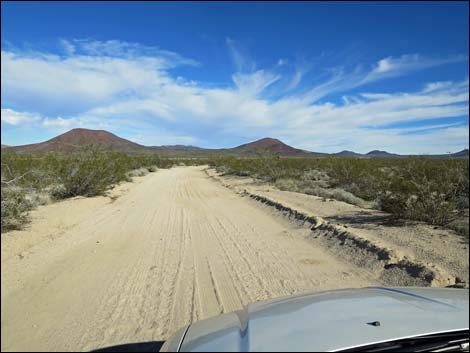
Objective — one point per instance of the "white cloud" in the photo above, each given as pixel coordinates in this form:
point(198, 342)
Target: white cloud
point(339, 81)
point(62, 123)
point(240, 56)
point(121, 49)
point(436, 86)
point(255, 83)
point(384, 65)
point(295, 81)
point(376, 96)
point(12, 117)
point(392, 67)
point(164, 137)
point(117, 84)
point(76, 83)
point(67, 46)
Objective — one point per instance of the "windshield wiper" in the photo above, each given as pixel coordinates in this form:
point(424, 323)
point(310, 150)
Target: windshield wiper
point(445, 342)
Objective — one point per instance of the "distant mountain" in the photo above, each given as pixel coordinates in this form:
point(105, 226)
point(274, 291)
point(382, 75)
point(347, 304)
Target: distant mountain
point(382, 154)
point(176, 147)
point(72, 139)
point(463, 153)
point(268, 145)
point(346, 153)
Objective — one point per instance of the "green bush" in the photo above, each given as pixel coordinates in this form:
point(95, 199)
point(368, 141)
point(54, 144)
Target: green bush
point(425, 189)
point(461, 226)
point(28, 179)
point(89, 172)
point(14, 208)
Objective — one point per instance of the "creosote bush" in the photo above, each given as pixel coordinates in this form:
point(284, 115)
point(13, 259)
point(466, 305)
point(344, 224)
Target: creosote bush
point(28, 179)
point(418, 188)
point(14, 208)
point(89, 172)
point(425, 189)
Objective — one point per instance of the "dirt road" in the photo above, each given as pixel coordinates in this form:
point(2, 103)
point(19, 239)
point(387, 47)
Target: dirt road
point(174, 248)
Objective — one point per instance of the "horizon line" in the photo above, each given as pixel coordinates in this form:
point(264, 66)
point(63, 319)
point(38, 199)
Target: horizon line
point(243, 144)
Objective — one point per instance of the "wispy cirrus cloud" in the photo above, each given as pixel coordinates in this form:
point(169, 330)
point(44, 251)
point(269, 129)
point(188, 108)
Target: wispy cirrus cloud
point(341, 80)
point(254, 83)
point(398, 66)
point(296, 79)
point(240, 57)
point(122, 49)
point(130, 87)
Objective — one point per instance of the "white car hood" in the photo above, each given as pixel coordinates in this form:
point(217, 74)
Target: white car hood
point(334, 320)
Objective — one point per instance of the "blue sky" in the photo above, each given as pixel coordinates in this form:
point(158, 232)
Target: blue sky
point(319, 76)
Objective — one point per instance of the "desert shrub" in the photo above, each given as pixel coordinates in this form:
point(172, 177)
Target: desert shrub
point(37, 199)
point(345, 196)
point(287, 184)
point(318, 188)
point(460, 226)
point(462, 202)
point(335, 193)
point(395, 204)
point(316, 177)
point(27, 170)
point(360, 177)
point(14, 208)
point(431, 190)
point(425, 189)
point(78, 172)
point(88, 172)
point(138, 172)
point(222, 169)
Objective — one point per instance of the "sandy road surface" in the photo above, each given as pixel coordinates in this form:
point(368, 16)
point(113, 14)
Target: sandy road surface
point(176, 247)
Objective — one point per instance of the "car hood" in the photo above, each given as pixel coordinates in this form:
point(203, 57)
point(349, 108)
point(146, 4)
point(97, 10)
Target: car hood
point(333, 320)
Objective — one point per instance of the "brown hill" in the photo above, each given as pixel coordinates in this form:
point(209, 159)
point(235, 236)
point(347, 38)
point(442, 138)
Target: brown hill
point(72, 139)
point(268, 145)
point(77, 137)
point(463, 153)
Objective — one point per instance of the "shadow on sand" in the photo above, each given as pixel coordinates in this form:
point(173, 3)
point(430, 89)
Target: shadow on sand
point(153, 346)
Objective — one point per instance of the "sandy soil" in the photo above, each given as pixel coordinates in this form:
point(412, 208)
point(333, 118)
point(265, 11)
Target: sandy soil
point(173, 247)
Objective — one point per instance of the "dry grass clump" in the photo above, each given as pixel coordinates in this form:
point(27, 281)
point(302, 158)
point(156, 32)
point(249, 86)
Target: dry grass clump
point(138, 172)
point(314, 182)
